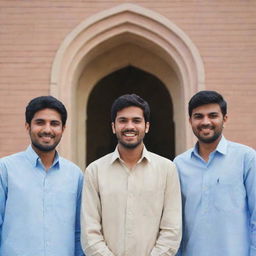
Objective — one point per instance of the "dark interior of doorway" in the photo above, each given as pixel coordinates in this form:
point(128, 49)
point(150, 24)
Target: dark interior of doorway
point(100, 139)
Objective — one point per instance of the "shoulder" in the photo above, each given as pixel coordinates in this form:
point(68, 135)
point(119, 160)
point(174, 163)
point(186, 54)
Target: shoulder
point(157, 158)
point(240, 149)
point(11, 163)
point(183, 156)
point(69, 166)
point(99, 167)
point(161, 162)
point(101, 162)
point(242, 152)
point(14, 158)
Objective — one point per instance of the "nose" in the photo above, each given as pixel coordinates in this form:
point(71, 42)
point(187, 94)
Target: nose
point(206, 120)
point(129, 125)
point(47, 128)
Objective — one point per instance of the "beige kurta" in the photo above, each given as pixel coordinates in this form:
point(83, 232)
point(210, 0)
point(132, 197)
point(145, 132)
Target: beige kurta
point(131, 212)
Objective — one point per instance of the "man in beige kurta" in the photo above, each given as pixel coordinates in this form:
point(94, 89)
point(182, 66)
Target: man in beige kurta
point(131, 202)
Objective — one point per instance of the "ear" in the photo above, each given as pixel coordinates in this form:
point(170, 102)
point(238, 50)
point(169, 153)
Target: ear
point(63, 128)
point(113, 128)
point(27, 126)
point(225, 118)
point(147, 127)
point(190, 120)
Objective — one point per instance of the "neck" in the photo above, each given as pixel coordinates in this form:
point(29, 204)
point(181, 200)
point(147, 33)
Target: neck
point(47, 158)
point(130, 156)
point(205, 149)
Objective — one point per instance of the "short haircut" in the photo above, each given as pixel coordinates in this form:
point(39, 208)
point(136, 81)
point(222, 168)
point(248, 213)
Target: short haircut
point(207, 97)
point(129, 100)
point(44, 102)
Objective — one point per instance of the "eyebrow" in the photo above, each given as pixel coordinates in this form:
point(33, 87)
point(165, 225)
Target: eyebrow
point(135, 117)
point(211, 113)
point(41, 119)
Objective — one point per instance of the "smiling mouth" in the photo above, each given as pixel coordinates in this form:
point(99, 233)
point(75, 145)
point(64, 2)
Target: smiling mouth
point(46, 138)
point(206, 128)
point(129, 133)
point(43, 135)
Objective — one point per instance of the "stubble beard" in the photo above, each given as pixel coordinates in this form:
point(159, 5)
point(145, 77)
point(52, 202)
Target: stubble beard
point(130, 145)
point(212, 139)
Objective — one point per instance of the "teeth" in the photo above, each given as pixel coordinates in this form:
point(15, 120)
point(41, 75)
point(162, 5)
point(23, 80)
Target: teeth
point(129, 134)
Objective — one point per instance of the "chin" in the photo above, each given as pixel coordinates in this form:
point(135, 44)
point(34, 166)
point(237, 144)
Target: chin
point(130, 146)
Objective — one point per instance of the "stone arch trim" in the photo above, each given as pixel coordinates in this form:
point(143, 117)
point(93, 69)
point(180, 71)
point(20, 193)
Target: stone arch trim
point(125, 22)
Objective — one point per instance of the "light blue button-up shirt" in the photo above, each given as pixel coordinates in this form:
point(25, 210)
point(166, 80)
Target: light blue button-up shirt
point(219, 201)
point(39, 210)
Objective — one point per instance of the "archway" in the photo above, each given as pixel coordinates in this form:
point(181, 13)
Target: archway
point(113, 39)
point(100, 140)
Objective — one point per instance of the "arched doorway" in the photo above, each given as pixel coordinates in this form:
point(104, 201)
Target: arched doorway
point(126, 35)
point(100, 140)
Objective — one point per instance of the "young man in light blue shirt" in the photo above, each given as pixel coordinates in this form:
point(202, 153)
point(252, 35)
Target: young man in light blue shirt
point(218, 183)
point(40, 192)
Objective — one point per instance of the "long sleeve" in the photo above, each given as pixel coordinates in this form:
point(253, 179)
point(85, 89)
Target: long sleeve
point(78, 248)
point(92, 238)
point(3, 195)
point(178, 253)
point(250, 184)
point(169, 237)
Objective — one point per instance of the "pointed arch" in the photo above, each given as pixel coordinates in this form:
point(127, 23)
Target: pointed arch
point(139, 31)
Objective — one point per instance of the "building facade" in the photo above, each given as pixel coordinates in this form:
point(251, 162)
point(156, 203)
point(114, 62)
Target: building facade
point(87, 53)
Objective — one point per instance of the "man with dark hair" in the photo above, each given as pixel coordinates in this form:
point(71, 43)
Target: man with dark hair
point(131, 201)
point(43, 102)
point(40, 192)
point(218, 184)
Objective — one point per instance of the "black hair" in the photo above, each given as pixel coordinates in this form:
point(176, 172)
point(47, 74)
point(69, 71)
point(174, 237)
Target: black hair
point(207, 97)
point(129, 100)
point(43, 102)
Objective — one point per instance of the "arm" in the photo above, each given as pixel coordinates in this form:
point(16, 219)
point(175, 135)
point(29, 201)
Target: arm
point(169, 236)
point(178, 253)
point(3, 195)
point(250, 184)
point(78, 248)
point(92, 238)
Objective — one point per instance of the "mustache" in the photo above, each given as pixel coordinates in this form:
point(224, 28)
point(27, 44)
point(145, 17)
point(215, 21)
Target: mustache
point(45, 134)
point(129, 130)
point(206, 126)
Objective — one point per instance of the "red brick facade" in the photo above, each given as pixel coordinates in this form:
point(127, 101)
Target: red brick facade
point(31, 32)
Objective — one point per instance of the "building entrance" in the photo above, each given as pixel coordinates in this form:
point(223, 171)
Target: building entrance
point(100, 139)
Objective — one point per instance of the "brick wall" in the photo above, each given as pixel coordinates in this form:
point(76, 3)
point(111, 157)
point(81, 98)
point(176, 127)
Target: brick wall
point(32, 31)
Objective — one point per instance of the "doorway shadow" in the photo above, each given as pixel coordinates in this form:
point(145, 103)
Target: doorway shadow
point(100, 139)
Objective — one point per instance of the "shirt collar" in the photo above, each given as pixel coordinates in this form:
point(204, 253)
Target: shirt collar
point(221, 148)
point(145, 155)
point(35, 159)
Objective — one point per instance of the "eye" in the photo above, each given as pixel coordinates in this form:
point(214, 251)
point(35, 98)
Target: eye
point(39, 122)
point(122, 120)
point(197, 116)
point(137, 120)
point(214, 115)
point(55, 123)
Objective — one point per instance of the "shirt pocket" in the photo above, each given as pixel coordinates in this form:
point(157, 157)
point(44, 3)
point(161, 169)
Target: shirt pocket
point(229, 195)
